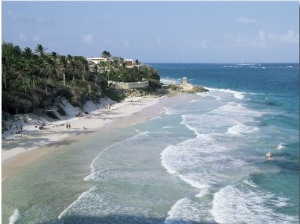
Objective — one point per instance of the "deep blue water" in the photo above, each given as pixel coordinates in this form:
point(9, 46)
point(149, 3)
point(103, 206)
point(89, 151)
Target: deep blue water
point(202, 161)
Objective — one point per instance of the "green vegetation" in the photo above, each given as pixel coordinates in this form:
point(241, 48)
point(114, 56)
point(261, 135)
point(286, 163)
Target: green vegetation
point(112, 94)
point(172, 87)
point(61, 110)
point(51, 114)
point(37, 80)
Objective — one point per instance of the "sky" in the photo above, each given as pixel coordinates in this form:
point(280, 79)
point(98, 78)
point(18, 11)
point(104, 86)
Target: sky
point(168, 31)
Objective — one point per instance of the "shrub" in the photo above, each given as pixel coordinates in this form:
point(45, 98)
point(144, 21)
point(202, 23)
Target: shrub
point(112, 94)
point(51, 114)
point(155, 84)
point(61, 110)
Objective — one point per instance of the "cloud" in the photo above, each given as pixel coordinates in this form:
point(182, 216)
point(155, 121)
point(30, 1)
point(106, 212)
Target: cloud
point(261, 40)
point(261, 36)
point(257, 41)
point(87, 39)
point(198, 43)
point(125, 43)
point(246, 21)
point(17, 16)
point(290, 37)
point(36, 38)
point(28, 18)
point(160, 43)
point(22, 36)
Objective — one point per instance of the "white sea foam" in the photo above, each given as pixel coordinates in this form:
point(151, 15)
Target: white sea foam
point(247, 64)
point(233, 205)
point(281, 202)
point(188, 211)
point(95, 159)
point(203, 192)
point(90, 203)
point(168, 81)
point(232, 93)
point(75, 203)
point(181, 212)
point(280, 146)
point(239, 95)
point(201, 162)
point(93, 165)
point(166, 161)
point(101, 201)
point(224, 117)
point(186, 123)
point(250, 183)
point(192, 179)
point(194, 101)
point(210, 94)
point(233, 112)
point(241, 129)
point(167, 127)
point(15, 217)
point(169, 110)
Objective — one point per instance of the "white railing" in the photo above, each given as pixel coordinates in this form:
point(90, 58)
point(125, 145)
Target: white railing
point(129, 85)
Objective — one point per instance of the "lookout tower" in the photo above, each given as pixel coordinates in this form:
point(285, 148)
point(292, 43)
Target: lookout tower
point(184, 81)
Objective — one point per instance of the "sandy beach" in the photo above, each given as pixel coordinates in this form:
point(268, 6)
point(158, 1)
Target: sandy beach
point(32, 143)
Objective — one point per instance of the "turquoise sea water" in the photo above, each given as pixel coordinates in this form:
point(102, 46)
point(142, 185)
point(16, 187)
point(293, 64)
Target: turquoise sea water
point(202, 161)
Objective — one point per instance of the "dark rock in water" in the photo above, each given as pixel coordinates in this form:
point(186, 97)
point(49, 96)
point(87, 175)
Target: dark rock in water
point(197, 89)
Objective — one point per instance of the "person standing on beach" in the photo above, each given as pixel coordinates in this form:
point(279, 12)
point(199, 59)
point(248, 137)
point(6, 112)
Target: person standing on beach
point(68, 125)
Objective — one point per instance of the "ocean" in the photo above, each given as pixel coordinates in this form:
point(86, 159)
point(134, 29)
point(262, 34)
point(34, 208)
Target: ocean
point(203, 160)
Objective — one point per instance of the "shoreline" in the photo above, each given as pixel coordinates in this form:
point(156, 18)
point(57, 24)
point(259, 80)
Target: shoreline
point(41, 143)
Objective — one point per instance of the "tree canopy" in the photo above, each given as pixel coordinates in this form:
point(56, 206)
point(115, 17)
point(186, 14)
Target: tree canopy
point(36, 79)
point(106, 54)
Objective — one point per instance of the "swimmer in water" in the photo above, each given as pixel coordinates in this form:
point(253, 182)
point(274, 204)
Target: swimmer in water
point(269, 155)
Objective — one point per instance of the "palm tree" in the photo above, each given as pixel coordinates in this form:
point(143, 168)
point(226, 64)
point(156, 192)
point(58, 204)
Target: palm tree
point(27, 53)
point(63, 65)
point(5, 70)
point(138, 64)
point(40, 50)
point(11, 56)
point(82, 64)
point(103, 65)
point(106, 54)
point(50, 67)
point(54, 58)
point(72, 66)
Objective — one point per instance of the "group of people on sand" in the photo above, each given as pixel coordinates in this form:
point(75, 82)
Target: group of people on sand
point(41, 127)
point(108, 106)
point(68, 125)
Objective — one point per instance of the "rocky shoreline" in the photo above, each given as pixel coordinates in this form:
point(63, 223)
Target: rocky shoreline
point(169, 89)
